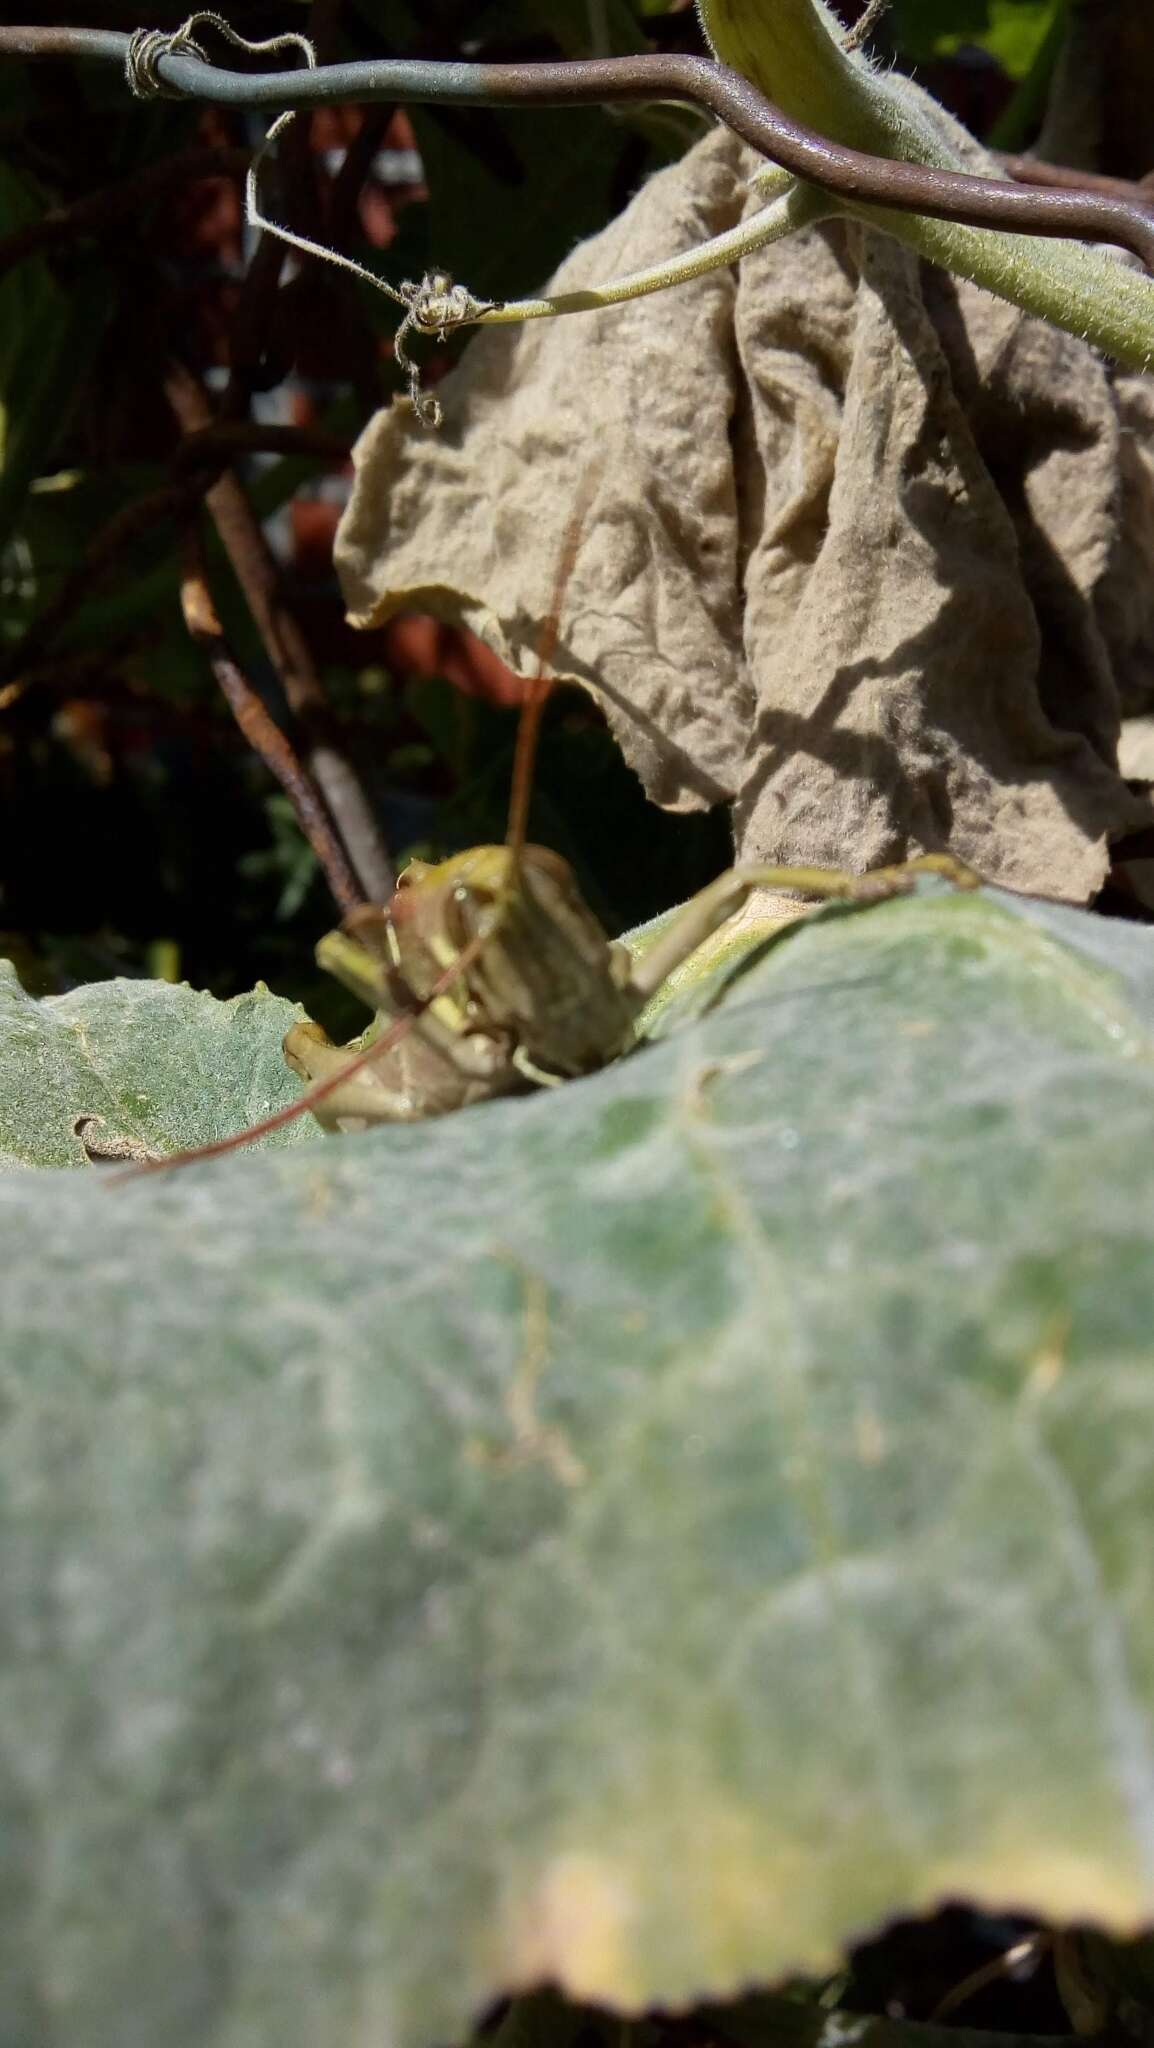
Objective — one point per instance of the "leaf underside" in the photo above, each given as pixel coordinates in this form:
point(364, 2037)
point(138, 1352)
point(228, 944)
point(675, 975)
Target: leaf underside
point(640, 1535)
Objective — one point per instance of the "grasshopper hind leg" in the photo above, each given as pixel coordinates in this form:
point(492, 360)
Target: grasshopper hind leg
point(899, 880)
point(705, 912)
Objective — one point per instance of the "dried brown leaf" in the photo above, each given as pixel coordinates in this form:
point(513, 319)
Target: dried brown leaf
point(857, 563)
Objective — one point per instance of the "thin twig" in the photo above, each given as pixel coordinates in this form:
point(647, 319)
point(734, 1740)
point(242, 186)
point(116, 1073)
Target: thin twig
point(852, 174)
point(263, 734)
point(288, 650)
point(215, 446)
point(864, 27)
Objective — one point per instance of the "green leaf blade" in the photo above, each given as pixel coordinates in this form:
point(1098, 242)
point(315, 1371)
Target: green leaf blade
point(164, 1066)
point(641, 1535)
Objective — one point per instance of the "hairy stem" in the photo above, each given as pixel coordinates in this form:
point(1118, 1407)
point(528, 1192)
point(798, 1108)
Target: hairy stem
point(791, 51)
point(797, 207)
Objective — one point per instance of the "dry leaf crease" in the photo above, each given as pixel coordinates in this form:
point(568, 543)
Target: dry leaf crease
point(860, 563)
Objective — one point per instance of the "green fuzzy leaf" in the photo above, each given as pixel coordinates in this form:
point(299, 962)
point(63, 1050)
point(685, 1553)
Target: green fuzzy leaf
point(161, 1066)
point(641, 1535)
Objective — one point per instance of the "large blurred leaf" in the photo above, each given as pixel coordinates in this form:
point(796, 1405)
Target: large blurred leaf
point(1011, 30)
point(642, 1534)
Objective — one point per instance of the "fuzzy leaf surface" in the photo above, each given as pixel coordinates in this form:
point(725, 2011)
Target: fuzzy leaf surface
point(642, 1535)
point(160, 1065)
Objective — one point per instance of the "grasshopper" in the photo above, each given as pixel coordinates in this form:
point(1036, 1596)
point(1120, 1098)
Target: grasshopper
point(489, 975)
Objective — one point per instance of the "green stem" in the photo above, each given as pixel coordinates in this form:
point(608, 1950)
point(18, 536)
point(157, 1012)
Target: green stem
point(799, 206)
point(791, 50)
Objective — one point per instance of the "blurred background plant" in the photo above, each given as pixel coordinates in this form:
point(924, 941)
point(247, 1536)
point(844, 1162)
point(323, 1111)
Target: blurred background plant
point(146, 342)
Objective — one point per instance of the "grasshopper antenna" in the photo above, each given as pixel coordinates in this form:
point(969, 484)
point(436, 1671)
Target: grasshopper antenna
point(539, 686)
point(320, 1089)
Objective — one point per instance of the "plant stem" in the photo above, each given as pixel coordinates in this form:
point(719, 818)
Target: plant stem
point(798, 207)
point(791, 51)
point(262, 732)
point(256, 572)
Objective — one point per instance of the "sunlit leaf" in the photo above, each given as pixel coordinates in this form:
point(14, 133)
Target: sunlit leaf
point(639, 1536)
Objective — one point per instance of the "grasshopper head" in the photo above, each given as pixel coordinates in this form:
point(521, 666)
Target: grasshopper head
point(441, 906)
point(481, 874)
point(543, 980)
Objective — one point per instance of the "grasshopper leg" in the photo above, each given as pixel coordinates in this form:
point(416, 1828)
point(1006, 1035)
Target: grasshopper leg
point(364, 966)
point(704, 912)
point(365, 1097)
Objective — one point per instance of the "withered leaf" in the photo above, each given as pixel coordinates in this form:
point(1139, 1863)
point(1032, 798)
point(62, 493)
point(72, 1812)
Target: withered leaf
point(858, 562)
